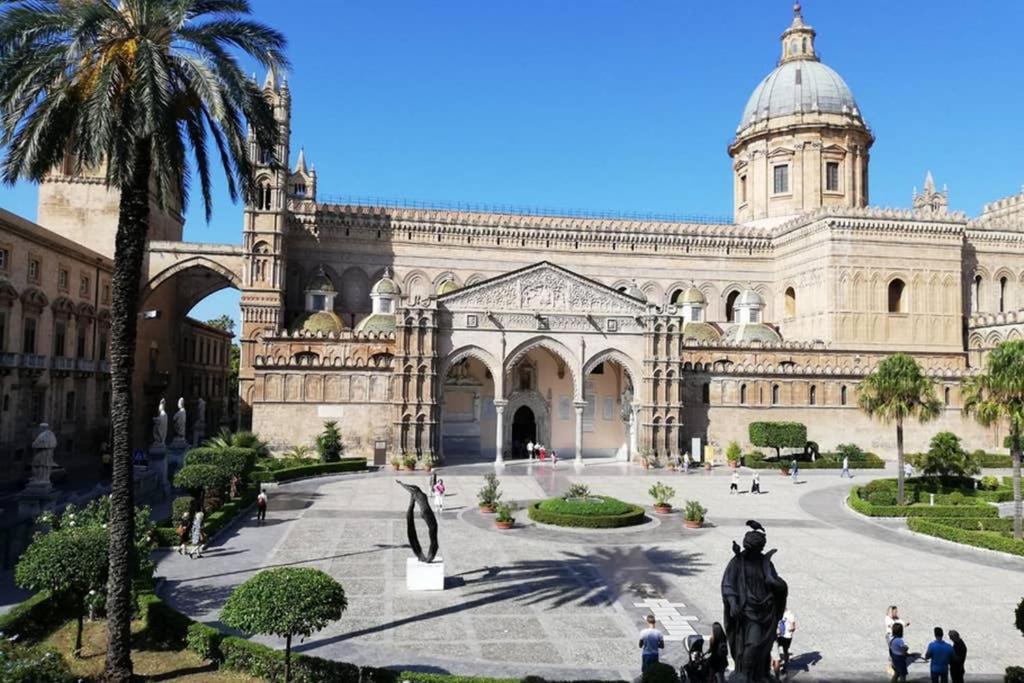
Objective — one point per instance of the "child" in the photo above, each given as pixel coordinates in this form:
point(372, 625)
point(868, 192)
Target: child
point(734, 487)
point(439, 495)
point(755, 483)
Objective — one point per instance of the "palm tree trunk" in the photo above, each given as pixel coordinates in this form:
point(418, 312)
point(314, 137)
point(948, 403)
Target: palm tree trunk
point(1017, 507)
point(899, 462)
point(288, 658)
point(129, 250)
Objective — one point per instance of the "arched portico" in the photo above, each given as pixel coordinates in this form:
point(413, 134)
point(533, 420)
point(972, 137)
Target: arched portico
point(611, 407)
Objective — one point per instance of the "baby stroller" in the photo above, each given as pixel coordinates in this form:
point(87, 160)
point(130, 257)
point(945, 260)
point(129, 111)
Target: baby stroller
point(698, 668)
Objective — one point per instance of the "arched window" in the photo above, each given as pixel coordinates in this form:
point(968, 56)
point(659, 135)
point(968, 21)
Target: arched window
point(977, 294)
point(842, 395)
point(1002, 294)
point(790, 302)
point(947, 395)
point(812, 396)
point(896, 288)
point(743, 394)
point(730, 310)
point(775, 394)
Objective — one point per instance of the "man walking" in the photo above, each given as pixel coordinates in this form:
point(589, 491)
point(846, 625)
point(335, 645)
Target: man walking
point(939, 653)
point(846, 468)
point(794, 468)
point(787, 627)
point(529, 449)
point(651, 642)
point(734, 487)
point(261, 507)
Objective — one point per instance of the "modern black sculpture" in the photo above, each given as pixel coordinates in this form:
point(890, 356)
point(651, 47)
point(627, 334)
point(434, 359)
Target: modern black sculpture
point(755, 599)
point(418, 498)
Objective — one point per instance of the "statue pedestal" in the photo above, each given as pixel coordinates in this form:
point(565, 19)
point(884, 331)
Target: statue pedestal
point(157, 457)
point(198, 434)
point(176, 456)
point(35, 500)
point(424, 576)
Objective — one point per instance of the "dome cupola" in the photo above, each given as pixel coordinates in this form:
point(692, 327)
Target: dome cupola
point(320, 292)
point(382, 296)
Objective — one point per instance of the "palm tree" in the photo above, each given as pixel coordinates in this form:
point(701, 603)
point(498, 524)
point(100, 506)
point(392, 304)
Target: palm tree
point(895, 391)
point(997, 395)
point(136, 88)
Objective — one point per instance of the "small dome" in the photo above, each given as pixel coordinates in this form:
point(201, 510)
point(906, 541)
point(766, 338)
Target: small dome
point(750, 332)
point(701, 331)
point(446, 287)
point(320, 283)
point(385, 286)
point(377, 323)
point(749, 297)
point(318, 321)
point(800, 86)
point(634, 291)
point(691, 295)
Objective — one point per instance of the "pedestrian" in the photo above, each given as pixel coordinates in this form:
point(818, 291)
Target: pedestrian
point(261, 507)
point(898, 651)
point(439, 495)
point(892, 617)
point(755, 482)
point(541, 451)
point(939, 654)
point(787, 627)
point(956, 665)
point(554, 457)
point(734, 487)
point(433, 479)
point(908, 470)
point(718, 653)
point(846, 468)
point(196, 549)
point(182, 532)
point(686, 462)
point(529, 449)
point(651, 642)
point(794, 468)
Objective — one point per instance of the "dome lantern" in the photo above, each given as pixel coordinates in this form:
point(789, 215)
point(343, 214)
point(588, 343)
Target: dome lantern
point(798, 39)
point(320, 292)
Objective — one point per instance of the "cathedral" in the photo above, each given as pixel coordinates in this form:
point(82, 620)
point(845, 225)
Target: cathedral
point(464, 335)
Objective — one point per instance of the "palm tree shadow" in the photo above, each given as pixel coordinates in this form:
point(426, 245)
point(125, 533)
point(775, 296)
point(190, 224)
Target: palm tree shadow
point(594, 578)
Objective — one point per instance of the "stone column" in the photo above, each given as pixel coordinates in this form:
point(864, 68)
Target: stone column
point(499, 428)
point(579, 406)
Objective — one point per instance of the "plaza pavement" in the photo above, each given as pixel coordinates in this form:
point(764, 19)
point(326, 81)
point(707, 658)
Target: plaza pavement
point(569, 604)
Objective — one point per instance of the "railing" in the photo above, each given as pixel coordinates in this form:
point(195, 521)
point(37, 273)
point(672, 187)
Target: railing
point(103, 366)
point(85, 365)
point(33, 360)
point(63, 363)
point(9, 360)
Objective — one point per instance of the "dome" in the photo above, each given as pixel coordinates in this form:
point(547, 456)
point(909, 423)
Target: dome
point(691, 295)
point(377, 323)
point(750, 332)
point(320, 283)
point(701, 331)
point(446, 287)
point(799, 86)
point(634, 291)
point(318, 321)
point(385, 286)
point(749, 297)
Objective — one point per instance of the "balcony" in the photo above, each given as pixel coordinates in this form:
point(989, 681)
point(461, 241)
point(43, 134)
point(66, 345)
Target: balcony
point(103, 367)
point(63, 364)
point(9, 360)
point(85, 365)
point(33, 361)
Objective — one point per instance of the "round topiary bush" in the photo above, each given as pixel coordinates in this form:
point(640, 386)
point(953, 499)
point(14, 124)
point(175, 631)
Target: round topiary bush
point(593, 512)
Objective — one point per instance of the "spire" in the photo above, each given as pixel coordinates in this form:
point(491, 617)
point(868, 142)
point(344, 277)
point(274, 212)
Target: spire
point(929, 183)
point(270, 82)
point(930, 199)
point(300, 164)
point(798, 39)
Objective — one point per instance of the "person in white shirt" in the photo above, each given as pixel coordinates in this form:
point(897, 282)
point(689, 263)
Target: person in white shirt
point(651, 643)
point(529, 450)
point(786, 630)
point(734, 487)
point(755, 482)
point(846, 468)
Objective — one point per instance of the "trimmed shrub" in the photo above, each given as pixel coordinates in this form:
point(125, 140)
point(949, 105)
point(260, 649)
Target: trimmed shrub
point(35, 618)
point(865, 507)
point(261, 661)
point(204, 641)
point(882, 498)
point(660, 673)
point(22, 664)
point(994, 460)
point(166, 627)
point(343, 465)
point(1018, 615)
point(998, 524)
point(827, 461)
point(1014, 674)
point(981, 539)
point(851, 451)
point(200, 478)
point(328, 442)
point(179, 506)
point(989, 483)
point(607, 514)
point(778, 435)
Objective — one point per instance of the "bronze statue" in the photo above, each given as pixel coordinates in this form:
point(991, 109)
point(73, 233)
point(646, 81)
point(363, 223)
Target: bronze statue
point(418, 498)
point(755, 599)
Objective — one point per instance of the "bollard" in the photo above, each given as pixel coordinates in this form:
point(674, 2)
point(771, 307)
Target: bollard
point(931, 498)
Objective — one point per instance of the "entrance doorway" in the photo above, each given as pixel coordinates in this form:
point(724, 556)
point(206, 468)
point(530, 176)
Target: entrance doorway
point(524, 430)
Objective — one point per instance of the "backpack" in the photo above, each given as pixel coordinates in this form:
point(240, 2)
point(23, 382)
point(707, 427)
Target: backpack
point(782, 628)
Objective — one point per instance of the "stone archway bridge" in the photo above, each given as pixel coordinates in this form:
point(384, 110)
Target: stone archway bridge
point(211, 267)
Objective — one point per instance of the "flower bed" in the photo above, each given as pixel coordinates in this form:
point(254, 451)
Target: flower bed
point(597, 512)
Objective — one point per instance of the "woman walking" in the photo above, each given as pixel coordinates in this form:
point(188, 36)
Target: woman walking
point(439, 495)
point(182, 532)
point(956, 665)
point(718, 653)
point(755, 482)
point(898, 651)
point(197, 536)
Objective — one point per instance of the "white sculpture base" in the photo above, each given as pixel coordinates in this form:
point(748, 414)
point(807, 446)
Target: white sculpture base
point(421, 576)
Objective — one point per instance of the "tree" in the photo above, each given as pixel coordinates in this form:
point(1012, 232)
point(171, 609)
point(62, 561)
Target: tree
point(946, 458)
point(285, 602)
point(777, 435)
point(136, 88)
point(201, 478)
point(996, 396)
point(895, 391)
point(223, 322)
point(328, 442)
point(68, 562)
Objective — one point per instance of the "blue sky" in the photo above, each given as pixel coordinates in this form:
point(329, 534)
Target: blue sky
point(619, 105)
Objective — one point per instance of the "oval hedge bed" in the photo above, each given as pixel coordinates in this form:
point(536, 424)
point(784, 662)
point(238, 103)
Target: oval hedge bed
point(597, 512)
point(972, 510)
point(993, 538)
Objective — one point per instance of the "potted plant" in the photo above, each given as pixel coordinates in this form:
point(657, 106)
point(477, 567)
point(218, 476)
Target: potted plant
point(396, 462)
point(693, 514)
point(784, 470)
point(409, 462)
point(505, 518)
point(662, 494)
point(489, 495)
point(733, 453)
point(707, 465)
point(428, 461)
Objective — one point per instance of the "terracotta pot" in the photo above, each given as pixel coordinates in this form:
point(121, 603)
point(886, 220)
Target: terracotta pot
point(663, 509)
point(489, 509)
point(732, 464)
point(693, 524)
point(785, 472)
point(504, 525)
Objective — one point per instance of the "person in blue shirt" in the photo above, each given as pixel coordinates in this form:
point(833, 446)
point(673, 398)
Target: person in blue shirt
point(651, 643)
point(939, 654)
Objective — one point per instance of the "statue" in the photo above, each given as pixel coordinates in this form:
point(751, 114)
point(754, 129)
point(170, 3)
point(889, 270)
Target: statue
point(754, 597)
point(42, 460)
point(476, 406)
point(160, 424)
point(418, 498)
point(179, 420)
point(199, 428)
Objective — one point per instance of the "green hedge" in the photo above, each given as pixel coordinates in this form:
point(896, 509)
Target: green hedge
point(996, 524)
point(994, 460)
point(343, 465)
point(993, 540)
point(865, 508)
point(594, 506)
point(166, 536)
point(424, 677)
point(560, 516)
point(827, 461)
point(205, 641)
point(35, 618)
point(264, 662)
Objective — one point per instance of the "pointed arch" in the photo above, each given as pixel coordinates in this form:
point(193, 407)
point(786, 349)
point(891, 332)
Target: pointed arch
point(556, 348)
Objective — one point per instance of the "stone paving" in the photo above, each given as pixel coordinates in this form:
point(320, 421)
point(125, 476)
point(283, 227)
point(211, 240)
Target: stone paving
point(568, 604)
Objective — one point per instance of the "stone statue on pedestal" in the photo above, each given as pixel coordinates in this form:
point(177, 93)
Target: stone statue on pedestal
point(199, 428)
point(160, 424)
point(42, 459)
point(180, 419)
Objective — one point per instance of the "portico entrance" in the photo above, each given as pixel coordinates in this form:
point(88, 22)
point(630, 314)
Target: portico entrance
point(524, 431)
